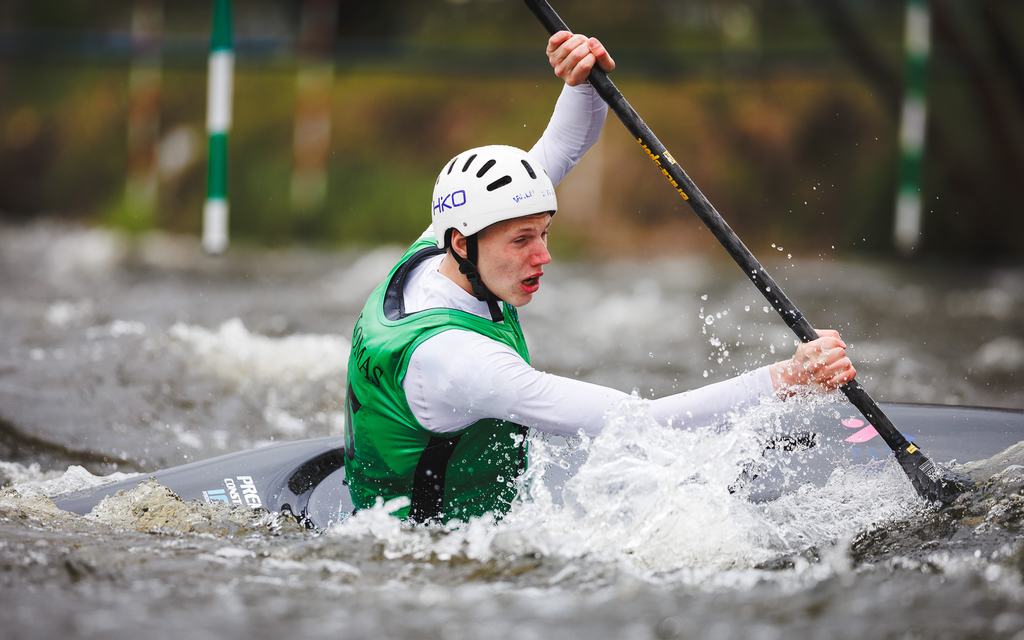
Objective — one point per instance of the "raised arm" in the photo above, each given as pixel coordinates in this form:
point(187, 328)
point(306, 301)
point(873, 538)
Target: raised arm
point(579, 113)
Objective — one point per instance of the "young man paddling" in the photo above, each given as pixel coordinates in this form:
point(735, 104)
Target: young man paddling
point(441, 392)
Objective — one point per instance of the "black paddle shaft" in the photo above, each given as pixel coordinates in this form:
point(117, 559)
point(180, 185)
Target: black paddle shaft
point(718, 226)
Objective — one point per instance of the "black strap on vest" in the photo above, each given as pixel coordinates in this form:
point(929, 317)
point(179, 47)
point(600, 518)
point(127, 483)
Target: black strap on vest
point(429, 479)
point(394, 303)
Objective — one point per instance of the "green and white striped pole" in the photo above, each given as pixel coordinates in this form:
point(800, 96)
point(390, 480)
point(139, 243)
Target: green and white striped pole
point(218, 123)
point(907, 229)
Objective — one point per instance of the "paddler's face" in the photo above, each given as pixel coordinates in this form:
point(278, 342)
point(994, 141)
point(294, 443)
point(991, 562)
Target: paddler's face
point(512, 257)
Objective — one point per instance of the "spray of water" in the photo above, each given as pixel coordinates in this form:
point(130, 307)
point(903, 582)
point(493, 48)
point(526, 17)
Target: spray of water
point(660, 501)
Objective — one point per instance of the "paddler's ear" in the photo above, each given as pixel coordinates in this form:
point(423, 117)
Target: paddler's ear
point(457, 243)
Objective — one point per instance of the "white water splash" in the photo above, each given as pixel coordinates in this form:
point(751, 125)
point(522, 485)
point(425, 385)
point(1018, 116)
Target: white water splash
point(28, 479)
point(656, 501)
point(237, 354)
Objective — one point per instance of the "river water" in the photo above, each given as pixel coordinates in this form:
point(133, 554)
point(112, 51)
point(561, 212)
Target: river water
point(121, 356)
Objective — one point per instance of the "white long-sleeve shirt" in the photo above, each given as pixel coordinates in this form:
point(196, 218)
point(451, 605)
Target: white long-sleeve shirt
point(459, 377)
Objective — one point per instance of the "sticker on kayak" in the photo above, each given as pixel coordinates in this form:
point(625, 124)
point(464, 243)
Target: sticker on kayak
point(865, 433)
point(238, 491)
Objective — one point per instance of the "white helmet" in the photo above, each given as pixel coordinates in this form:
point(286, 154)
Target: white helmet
point(489, 184)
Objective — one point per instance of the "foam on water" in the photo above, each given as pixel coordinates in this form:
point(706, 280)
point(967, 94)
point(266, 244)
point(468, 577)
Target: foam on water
point(233, 352)
point(657, 501)
point(32, 478)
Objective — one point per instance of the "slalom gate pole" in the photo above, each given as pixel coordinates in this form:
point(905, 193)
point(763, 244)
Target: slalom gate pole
point(913, 121)
point(218, 123)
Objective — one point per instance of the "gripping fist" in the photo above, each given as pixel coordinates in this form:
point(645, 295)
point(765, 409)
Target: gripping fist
point(573, 55)
point(820, 364)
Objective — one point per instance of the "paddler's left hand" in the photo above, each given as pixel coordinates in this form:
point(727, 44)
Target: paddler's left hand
point(573, 55)
point(820, 364)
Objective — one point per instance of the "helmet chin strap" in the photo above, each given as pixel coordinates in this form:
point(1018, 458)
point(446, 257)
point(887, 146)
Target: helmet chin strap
point(467, 267)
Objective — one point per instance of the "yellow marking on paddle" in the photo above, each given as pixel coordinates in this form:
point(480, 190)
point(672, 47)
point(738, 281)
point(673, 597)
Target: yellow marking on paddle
point(664, 171)
point(911, 449)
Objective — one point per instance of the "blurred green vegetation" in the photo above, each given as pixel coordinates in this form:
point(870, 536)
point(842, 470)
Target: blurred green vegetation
point(785, 112)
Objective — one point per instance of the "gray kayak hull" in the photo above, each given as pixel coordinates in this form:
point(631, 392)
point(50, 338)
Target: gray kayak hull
point(306, 477)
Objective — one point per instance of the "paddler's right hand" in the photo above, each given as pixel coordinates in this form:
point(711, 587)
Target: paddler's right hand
point(573, 55)
point(820, 364)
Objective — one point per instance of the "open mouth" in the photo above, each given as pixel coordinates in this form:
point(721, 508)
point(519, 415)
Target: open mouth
point(531, 284)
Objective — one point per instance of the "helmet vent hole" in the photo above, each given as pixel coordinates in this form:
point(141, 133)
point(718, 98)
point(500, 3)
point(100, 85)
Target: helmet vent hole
point(454, 160)
point(529, 169)
point(500, 182)
point(468, 162)
point(484, 169)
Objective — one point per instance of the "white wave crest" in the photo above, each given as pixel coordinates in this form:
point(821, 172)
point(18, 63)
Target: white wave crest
point(233, 352)
point(31, 479)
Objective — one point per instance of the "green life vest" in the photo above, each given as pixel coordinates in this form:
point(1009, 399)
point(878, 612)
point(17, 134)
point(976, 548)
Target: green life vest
point(388, 453)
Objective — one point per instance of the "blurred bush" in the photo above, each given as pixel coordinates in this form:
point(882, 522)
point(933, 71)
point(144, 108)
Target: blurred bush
point(784, 112)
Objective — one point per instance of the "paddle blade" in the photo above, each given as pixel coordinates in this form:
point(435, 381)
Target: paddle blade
point(931, 481)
